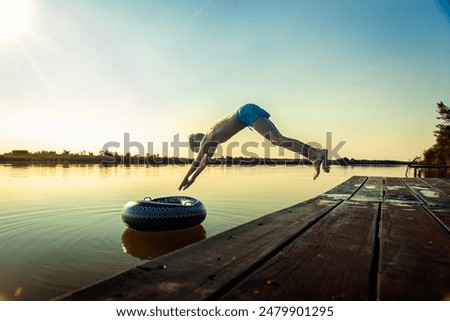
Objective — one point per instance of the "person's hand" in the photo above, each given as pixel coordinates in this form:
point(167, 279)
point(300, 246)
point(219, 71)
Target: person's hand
point(183, 183)
point(186, 183)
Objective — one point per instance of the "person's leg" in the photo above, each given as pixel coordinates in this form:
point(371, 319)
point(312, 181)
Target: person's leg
point(268, 130)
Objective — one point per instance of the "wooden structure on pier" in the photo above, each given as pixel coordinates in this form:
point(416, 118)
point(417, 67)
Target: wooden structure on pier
point(418, 168)
point(369, 238)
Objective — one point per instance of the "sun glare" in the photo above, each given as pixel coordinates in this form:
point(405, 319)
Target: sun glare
point(15, 17)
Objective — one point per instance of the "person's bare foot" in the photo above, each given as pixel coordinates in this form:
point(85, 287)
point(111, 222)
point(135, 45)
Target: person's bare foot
point(321, 162)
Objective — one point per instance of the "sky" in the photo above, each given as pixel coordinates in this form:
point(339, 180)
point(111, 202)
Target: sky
point(75, 75)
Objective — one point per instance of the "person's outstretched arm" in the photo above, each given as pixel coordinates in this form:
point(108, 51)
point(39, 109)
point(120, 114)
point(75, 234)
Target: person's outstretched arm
point(196, 168)
point(198, 165)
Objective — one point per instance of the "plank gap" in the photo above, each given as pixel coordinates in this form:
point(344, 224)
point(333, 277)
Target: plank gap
point(373, 279)
point(433, 215)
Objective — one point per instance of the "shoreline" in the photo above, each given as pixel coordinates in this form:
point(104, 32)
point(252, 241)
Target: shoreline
point(165, 161)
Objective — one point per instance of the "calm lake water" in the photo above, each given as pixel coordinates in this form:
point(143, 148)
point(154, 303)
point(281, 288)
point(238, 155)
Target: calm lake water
point(60, 226)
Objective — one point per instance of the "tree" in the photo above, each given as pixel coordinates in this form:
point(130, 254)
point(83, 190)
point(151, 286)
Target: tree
point(439, 153)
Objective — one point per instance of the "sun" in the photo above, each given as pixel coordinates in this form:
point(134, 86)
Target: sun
point(15, 18)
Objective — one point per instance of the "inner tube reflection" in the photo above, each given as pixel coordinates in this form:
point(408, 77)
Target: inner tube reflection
point(149, 245)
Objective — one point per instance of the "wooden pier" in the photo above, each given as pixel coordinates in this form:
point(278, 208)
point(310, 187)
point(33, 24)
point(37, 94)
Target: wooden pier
point(369, 238)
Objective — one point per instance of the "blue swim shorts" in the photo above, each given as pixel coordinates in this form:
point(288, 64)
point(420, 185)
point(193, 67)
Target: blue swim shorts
point(249, 113)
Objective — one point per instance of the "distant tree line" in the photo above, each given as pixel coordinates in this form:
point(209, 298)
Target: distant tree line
point(106, 158)
point(439, 153)
point(50, 157)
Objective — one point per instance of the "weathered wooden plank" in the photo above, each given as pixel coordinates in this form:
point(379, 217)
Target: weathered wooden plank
point(443, 185)
point(371, 191)
point(428, 194)
point(414, 255)
point(397, 192)
point(345, 190)
point(330, 261)
point(441, 214)
point(203, 270)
